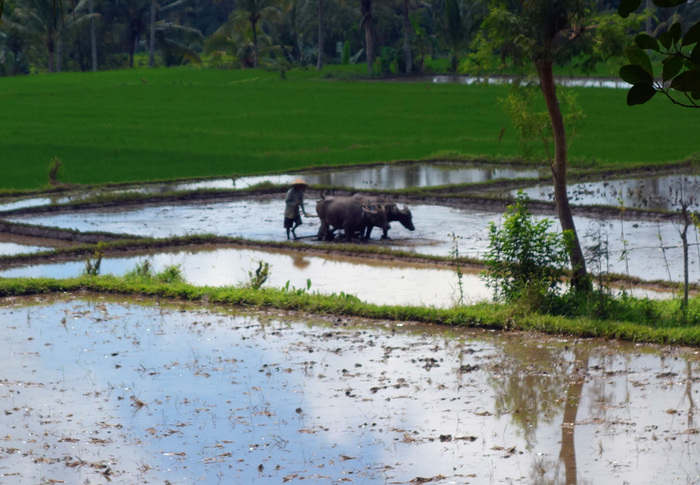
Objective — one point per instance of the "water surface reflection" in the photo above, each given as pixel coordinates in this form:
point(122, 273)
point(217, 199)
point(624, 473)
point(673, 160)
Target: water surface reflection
point(383, 283)
point(380, 177)
point(666, 193)
point(641, 241)
point(160, 393)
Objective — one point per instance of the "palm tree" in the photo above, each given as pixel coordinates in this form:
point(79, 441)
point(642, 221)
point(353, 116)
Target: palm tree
point(169, 36)
point(133, 15)
point(462, 19)
point(245, 22)
point(44, 23)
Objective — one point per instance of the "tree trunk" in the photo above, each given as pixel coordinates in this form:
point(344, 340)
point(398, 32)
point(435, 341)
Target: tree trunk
point(152, 39)
point(255, 43)
point(93, 39)
point(58, 52)
point(407, 36)
point(579, 279)
point(684, 239)
point(132, 50)
point(366, 9)
point(50, 45)
point(319, 61)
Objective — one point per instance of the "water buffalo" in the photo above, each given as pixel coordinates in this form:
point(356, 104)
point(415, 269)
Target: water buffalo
point(350, 214)
point(393, 213)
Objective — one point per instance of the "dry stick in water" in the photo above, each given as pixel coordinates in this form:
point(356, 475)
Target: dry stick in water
point(663, 251)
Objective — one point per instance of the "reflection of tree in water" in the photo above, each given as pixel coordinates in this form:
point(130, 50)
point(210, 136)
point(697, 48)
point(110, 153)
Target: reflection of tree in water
point(534, 384)
point(564, 470)
point(529, 385)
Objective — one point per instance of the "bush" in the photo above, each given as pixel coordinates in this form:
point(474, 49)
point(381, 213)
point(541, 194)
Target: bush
point(144, 272)
point(525, 261)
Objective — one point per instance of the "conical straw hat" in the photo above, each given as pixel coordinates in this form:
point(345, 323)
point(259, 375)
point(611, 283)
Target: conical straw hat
point(298, 181)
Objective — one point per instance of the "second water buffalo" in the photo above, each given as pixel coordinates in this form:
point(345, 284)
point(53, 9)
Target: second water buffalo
point(350, 214)
point(393, 213)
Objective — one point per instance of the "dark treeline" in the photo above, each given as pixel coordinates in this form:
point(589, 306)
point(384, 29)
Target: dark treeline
point(387, 35)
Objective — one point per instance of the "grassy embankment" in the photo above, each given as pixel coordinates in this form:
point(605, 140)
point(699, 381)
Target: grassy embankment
point(639, 321)
point(143, 125)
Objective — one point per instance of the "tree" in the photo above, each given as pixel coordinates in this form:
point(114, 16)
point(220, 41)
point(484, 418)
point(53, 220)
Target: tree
point(462, 18)
point(367, 23)
point(133, 14)
point(319, 59)
point(257, 12)
point(546, 32)
point(680, 70)
point(43, 24)
point(170, 36)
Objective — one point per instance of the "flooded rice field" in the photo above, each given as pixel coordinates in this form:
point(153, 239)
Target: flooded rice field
point(100, 391)
point(380, 177)
point(379, 282)
point(666, 193)
point(14, 244)
point(652, 247)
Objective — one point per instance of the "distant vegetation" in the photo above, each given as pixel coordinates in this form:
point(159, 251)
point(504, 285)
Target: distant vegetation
point(141, 125)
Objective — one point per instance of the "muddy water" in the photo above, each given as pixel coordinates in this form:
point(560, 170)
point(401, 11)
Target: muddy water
point(641, 241)
point(383, 283)
point(662, 193)
point(14, 244)
point(96, 391)
point(384, 177)
point(379, 282)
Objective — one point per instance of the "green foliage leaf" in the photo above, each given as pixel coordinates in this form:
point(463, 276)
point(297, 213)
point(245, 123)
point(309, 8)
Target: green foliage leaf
point(695, 54)
point(646, 41)
point(688, 81)
point(666, 39)
point(639, 58)
point(676, 32)
point(627, 7)
point(692, 36)
point(672, 66)
point(640, 94)
point(635, 75)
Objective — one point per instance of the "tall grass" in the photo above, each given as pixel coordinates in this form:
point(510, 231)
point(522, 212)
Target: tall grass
point(140, 124)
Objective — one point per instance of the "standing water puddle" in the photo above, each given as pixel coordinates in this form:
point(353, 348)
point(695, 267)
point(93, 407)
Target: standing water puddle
point(95, 391)
point(384, 177)
point(660, 193)
point(378, 282)
point(14, 244)
point(382, 283)
point(262, 220)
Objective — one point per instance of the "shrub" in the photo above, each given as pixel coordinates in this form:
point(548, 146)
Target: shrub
point(526, 260)
point(92, 264)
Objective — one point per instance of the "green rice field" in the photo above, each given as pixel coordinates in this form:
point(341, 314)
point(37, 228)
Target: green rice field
point(142, 125)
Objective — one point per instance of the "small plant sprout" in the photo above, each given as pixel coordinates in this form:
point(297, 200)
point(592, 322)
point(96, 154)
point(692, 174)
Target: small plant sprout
point(93, 263)
point(454, 254)
point(259, 276)
point(54, 169)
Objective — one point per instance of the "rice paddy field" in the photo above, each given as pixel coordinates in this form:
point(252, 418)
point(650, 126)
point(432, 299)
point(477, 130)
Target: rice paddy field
point(142, 125)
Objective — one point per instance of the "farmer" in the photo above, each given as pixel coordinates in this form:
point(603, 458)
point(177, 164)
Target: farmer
point(293, 201)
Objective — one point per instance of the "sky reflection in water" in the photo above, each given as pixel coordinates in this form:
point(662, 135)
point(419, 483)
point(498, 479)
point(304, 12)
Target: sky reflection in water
point(262, 220)
point(245, 399)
